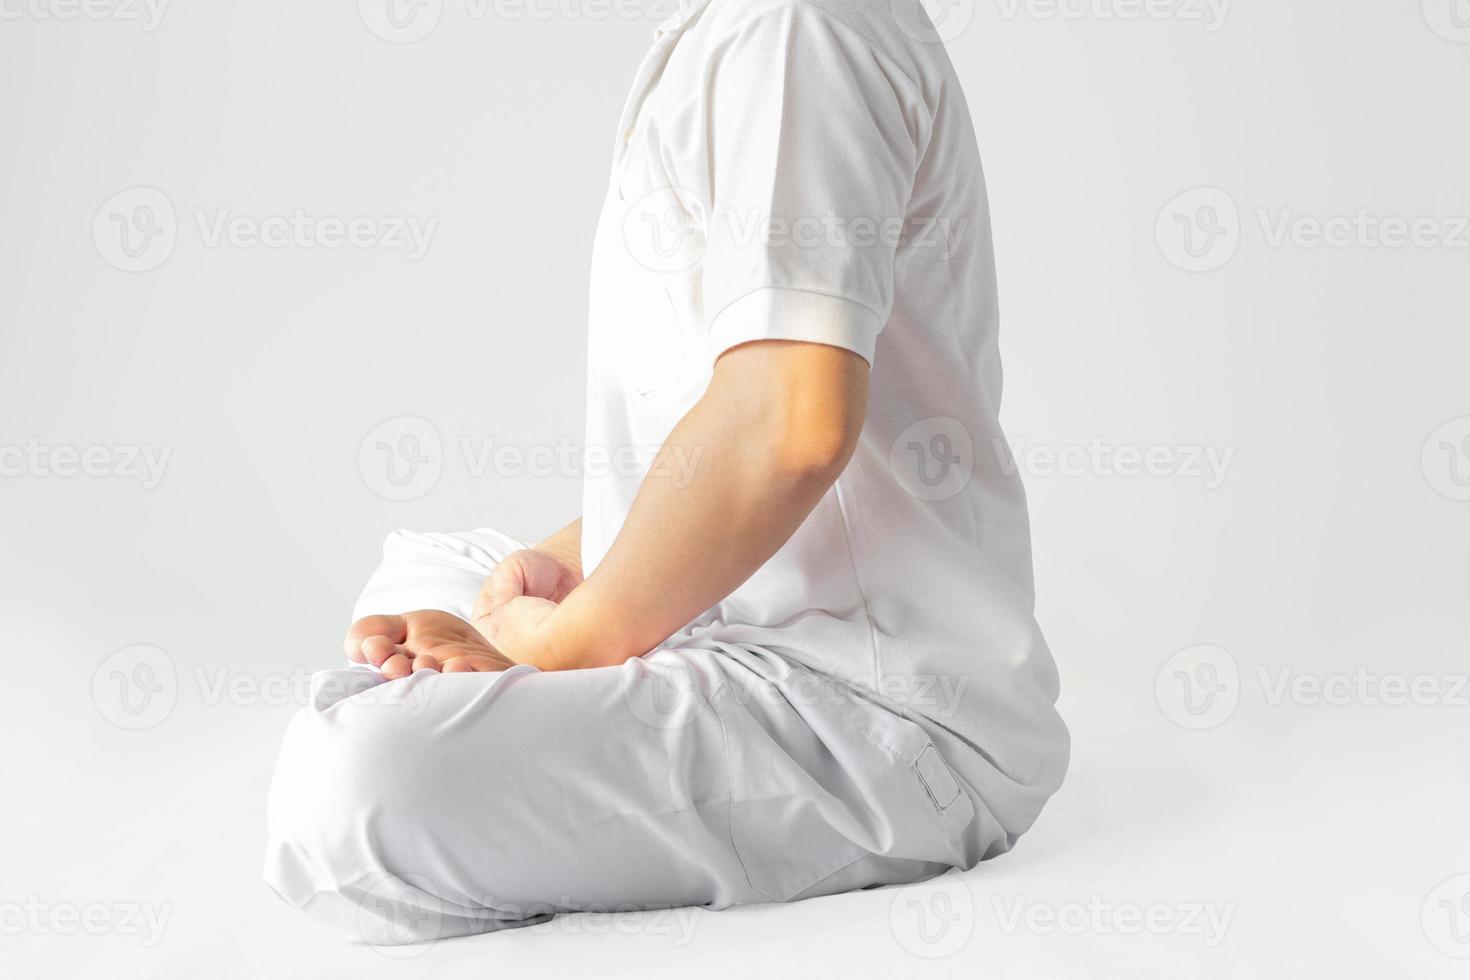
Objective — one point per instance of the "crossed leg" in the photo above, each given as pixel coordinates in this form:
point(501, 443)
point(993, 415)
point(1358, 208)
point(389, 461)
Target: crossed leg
point(449, 804)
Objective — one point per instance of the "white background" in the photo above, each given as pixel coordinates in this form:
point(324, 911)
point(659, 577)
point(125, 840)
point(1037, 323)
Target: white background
point(1332, 547)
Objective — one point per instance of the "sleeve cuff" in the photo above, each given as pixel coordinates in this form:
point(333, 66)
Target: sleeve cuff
point(778, 313)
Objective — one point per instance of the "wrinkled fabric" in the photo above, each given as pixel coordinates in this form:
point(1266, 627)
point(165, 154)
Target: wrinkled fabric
point(446, 805)
point(806, 170)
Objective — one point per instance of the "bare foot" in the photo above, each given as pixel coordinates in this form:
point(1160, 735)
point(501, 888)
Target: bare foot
point(424, 640)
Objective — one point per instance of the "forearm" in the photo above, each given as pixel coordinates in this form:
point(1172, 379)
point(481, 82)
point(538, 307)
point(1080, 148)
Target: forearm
point(565, 545)
point(731, 484)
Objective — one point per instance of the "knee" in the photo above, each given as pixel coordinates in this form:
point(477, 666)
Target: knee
point(477, 551)
point(348, 813)
point(344, 771)
point(403, 543)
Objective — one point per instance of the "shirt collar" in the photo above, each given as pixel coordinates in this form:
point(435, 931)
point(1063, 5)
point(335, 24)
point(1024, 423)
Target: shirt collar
point(687, 11)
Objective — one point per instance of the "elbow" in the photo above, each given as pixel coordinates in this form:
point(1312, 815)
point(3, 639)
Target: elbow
point(798, 409)
point(811, 449)
point(817, 460)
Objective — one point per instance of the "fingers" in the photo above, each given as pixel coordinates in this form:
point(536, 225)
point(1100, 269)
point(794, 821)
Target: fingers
point(489, 624)
point(394, 628)
point(505, 582)
point(516, 620)
point(507, 612)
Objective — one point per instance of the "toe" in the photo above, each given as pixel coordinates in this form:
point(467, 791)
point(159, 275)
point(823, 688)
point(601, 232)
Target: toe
point(395, 628)
point(396, 666)
point(377, 649)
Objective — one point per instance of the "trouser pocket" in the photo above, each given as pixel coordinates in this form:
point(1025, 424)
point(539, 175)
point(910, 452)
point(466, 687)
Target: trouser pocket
point(821, 779)
point(790, 826)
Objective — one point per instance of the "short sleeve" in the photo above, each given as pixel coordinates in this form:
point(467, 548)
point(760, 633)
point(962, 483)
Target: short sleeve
point(811, 163)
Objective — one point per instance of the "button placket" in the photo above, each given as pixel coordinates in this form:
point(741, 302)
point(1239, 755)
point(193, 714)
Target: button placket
point(666, 36)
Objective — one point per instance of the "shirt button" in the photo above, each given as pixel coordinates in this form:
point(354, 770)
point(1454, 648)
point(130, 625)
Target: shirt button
point(628, 134)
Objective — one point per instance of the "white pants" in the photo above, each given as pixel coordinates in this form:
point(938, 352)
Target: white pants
point(444, 805)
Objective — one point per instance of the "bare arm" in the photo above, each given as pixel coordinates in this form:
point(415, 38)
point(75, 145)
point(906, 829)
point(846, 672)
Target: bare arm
point(566, 544)
point(775, 428)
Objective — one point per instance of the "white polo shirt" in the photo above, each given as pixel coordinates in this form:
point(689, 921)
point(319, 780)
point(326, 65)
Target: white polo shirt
point(807, 170)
